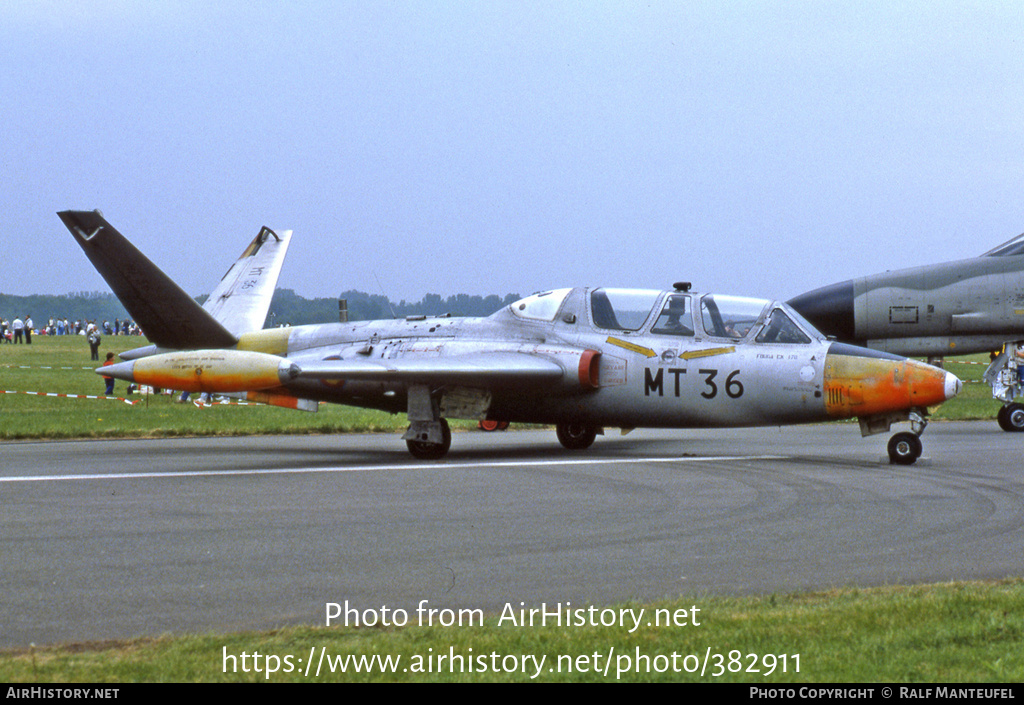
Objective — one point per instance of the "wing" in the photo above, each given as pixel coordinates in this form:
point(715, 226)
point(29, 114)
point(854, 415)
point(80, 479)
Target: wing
point(490, 370)
point(242, 298)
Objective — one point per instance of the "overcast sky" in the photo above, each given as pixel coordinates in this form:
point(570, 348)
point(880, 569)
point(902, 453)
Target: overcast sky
point(756, 148)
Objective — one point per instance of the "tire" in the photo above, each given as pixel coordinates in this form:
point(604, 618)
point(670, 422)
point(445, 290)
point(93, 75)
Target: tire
point(422, 450)
point(576, 436)
point(1001, 417)
point(1013, 417)
point(904, 449)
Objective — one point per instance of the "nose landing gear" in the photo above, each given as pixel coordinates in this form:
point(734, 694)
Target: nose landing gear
point(1011, 417)
point(904, 448)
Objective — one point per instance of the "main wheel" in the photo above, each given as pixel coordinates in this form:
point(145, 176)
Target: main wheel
point(1004, 423)
point(576, 436)
point(432, 451)
point(1011, 417)
point(904, 449)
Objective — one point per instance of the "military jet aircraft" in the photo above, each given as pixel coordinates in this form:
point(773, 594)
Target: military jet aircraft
point(581, 359)
point(953, 308)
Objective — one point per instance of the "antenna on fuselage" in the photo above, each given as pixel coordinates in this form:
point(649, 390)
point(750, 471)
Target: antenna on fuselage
point(385, 295)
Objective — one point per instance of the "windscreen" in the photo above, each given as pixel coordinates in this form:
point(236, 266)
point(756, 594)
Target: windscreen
point(730, 316)
point(540, 307)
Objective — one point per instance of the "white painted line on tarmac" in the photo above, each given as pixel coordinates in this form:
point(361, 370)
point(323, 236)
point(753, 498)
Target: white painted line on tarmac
point(377, 468)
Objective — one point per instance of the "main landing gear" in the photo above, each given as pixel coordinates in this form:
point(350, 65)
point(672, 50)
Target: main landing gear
point(1004, 376)
point(427, 450)
point(1011, 417)
point(576, 436)
point(428, 436)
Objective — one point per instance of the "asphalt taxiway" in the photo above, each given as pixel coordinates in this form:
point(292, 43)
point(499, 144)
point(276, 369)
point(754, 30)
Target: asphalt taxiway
point(116, 539)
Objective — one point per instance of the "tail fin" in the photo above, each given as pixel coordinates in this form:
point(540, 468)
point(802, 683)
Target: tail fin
point(241, 300)
point(168, 316)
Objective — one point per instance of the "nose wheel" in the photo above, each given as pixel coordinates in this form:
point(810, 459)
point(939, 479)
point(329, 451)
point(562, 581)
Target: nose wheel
point(904, 448)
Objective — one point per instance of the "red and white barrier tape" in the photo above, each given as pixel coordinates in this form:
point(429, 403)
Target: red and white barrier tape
point(74, 396)
point(45, 367)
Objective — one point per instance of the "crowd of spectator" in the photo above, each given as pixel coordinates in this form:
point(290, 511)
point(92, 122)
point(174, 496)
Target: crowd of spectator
point(22, 328)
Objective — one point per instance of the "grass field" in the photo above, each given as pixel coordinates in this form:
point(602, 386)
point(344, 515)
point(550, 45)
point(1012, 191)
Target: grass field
point(975, 401)
point(951, 633)
point(62, 365)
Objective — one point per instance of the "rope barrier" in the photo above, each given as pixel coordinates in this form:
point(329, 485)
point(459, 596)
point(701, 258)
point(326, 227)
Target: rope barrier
point(74, 396)
point(131, 402)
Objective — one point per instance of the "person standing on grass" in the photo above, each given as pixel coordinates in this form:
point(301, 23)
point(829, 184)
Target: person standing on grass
point(94, 343)
point(109, 380)
point(28, 329)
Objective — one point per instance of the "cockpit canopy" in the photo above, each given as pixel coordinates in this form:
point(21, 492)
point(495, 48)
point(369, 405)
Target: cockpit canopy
point(676, 313)
point(1010, 248)
point(540, 307)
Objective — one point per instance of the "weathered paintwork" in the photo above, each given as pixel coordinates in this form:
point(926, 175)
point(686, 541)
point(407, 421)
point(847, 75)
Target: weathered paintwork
point(582, 359)
point(864, 386)
point(205, 371)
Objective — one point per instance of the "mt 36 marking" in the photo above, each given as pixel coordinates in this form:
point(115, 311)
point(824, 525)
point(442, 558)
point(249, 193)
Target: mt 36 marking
point(733, 387)
point(655, 382)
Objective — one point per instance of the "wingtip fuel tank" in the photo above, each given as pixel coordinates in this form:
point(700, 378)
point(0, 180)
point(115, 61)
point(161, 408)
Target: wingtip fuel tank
point(215, 371)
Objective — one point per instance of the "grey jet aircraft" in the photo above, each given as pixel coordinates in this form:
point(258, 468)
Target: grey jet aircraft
point(949, 309)
point(581, 359)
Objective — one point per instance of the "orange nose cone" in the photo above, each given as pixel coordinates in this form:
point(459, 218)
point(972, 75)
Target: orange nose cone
point(873, 383)
point(929, 385)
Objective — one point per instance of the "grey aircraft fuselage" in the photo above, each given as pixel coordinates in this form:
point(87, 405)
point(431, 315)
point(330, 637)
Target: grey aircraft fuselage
point(581, 359)
point(953, 308)
point(632, 378)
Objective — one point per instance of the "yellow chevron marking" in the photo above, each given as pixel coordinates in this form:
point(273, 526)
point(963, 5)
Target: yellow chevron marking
point(710, 352)
point(632, 347)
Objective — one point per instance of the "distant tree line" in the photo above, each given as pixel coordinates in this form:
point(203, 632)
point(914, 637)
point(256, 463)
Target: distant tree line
point(81, 306)
point(286, 308)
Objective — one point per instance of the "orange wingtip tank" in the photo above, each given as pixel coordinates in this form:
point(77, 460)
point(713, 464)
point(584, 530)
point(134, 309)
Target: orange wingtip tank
point(205, 371)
